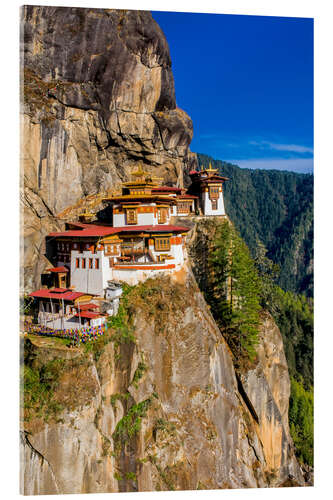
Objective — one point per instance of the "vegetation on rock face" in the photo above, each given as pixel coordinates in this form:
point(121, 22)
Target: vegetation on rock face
point(121, 324)
point(301, 421)
point(233, 291)
point(130, 424)
point(225, 270)
point(294, 316)
point(38, 386)
point(276, 208)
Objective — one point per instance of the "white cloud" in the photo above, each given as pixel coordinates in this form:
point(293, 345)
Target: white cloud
point(294, 148)
point(299, 165)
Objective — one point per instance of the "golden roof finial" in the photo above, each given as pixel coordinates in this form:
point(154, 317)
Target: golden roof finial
point(139, 172)
point(211, 169)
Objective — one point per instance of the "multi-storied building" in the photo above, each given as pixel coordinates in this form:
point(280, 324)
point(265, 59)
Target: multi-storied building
point(138, 239)
point(207, 185)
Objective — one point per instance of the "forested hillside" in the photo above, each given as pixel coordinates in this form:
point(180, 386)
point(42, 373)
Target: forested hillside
point(275, 207)
point(240, 291)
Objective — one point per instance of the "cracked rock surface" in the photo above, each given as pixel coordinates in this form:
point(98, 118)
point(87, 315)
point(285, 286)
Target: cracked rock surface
point(197, 430)
point(97, 96)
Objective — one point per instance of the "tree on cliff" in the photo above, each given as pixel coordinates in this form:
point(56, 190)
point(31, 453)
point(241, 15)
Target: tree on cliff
point(275, 207)
point(234, 292)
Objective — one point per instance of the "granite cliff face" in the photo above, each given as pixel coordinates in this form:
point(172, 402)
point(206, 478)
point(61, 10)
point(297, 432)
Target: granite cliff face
point(97, 96)
point(164, 411)
point(157, 405)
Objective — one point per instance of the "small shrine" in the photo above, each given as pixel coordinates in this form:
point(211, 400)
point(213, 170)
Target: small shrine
point(207, 185)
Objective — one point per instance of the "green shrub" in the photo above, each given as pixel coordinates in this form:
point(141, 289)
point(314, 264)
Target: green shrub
point(301, 421)
point(130, 476)
point(138, 374)
point(130, 424)
point(38, 386)
point(119, 397)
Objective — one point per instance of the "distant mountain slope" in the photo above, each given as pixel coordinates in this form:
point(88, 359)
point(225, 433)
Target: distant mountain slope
point(276, 207)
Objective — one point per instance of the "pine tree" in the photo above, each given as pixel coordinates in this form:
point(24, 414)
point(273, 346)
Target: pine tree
point(234, 294)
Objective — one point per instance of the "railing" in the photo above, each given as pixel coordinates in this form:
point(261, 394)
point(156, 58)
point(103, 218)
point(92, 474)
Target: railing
point(132, 255)
point(48, 316)
point(134, 251)
point(77, 335)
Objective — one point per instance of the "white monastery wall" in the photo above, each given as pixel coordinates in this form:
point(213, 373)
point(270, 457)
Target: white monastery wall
point(135, 276)
point(119, 220)
point(176, 251)
point(86, 279)
point(173, 210)
point(143, 218)
point(207, 205)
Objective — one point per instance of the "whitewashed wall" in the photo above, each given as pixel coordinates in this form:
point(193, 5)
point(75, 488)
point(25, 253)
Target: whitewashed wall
point(175, 250)
point(89, 280)
point(134, 276)
point(207, 205)
point(144, 219)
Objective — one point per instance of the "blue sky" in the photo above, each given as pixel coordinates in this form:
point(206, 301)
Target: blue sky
point(247, 84)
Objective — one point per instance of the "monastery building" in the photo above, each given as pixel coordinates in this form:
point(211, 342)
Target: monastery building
point(139, 240)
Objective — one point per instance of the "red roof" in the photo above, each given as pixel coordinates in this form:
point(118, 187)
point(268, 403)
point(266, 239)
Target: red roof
point(88, 231)
point(187, 196)
point(141, 199)
point(159, 228)
point(213, 178)
point(105, 231)
point(171, 189)
point(87, 307)
point(193, 172)
point(56, 293)
point(89, 314)
point(61, 269)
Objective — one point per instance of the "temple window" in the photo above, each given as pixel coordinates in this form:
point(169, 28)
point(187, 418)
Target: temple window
point(83, 263)
point(162, 244)
point(183, 207)
point(90, 263)
point(213, 191)
point(214, 204)
point(77, 263)
point(162, 215)
point(132, 216)
point(96, 263)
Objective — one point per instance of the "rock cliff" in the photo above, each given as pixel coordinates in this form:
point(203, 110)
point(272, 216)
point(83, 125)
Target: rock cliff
point(97, 96)
point(158, 405)
point(155, 404)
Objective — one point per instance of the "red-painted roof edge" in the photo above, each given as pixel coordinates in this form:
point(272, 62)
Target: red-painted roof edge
point(61, 269)
point(45, 293)
point(89, 314)
point(114, 230)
